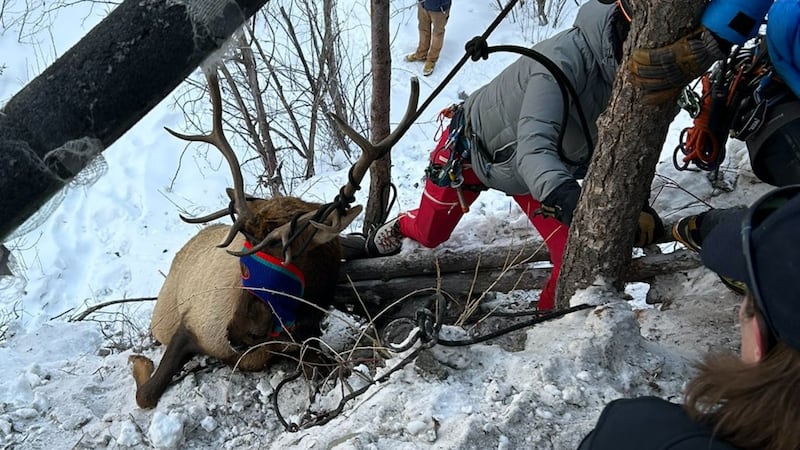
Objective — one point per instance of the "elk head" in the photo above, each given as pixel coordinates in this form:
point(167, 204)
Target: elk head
point(330, 219)
point(204, 306)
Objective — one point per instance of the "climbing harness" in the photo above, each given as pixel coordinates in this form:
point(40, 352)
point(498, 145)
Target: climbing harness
point(736, 95)
point(450, 174)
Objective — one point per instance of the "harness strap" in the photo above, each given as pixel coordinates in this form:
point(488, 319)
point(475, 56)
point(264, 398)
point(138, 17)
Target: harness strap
point(458, 146)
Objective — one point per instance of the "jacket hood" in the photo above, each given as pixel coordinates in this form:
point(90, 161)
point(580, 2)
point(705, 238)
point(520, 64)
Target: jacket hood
point(600, 33)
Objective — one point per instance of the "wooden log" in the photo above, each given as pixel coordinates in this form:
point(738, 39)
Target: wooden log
point(377, 282)
point(423, 261)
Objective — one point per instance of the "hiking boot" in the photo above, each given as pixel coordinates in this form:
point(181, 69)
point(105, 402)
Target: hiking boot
point(685, 231)
point(385, 240)
point(736, 286)
point(428, 68)
point(414, 57)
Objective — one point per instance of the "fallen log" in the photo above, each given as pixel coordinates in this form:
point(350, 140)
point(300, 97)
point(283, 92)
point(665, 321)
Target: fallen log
point(378, 282)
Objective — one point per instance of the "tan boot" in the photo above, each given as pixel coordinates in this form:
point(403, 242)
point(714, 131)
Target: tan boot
point(428, 68)
point(414, 57)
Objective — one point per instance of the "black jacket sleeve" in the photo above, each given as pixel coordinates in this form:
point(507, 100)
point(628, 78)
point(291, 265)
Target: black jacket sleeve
point(649, 423)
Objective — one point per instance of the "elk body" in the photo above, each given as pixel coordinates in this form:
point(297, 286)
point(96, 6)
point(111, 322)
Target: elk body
point(203, 307)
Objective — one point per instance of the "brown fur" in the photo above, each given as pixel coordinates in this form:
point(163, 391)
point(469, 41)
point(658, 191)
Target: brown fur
point(202, 308)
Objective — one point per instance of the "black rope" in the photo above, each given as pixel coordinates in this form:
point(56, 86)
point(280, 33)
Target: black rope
point(467, 55)
point(390, 193)
point(428, 326)
point(567, 90)
point(517, 326)
point(291, 427)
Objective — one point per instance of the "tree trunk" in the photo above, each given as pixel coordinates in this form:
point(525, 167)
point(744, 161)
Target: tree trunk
point(622, 168)
point(380, 172)
point(97, 90)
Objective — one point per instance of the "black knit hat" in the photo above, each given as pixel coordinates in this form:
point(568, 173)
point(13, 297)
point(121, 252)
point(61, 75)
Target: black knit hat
point(760, 246)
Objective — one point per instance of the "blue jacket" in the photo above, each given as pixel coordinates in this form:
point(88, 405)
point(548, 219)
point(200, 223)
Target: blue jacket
point(783, 41)
point(436, 5)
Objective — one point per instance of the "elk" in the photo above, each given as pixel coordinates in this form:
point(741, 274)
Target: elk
point(204, 306)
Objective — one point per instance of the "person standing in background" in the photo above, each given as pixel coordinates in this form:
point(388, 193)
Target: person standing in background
point(432, 18)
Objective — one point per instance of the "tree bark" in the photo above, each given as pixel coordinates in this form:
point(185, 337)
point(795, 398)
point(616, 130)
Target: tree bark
point(631, 135)
point(100, 88)
point(380, 172)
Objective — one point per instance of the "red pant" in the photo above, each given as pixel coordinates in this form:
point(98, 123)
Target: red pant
point(439, 212)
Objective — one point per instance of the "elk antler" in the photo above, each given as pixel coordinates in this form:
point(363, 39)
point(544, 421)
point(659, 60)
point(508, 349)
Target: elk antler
point(372, 152)
point(342, 213)
point(218, 140)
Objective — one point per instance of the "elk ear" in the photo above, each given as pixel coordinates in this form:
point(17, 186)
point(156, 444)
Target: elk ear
point(327, 232)
point(232, 195)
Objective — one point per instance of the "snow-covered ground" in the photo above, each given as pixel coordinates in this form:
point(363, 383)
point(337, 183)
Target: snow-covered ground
point(68, 384)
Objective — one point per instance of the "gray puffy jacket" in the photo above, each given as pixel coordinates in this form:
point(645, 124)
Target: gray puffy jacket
point(520, 110)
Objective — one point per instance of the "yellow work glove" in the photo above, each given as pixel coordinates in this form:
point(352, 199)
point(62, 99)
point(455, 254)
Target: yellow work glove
point(663, 72)
point(650, 227)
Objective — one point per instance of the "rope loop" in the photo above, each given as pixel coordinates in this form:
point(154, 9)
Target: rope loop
point(477, 48)
point(428, 327)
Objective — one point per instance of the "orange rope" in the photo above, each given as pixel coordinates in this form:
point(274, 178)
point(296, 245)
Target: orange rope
point(445, 113)
point(698, 143)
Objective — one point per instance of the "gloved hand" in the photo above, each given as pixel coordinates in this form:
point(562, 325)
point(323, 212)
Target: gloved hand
point(477, 48)
point(662, 72)
point(561, 203)
point(650, 227)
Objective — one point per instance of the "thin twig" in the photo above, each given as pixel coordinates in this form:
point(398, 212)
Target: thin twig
point(94, 308)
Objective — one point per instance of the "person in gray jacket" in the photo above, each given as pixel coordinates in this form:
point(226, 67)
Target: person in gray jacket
point(512, 127)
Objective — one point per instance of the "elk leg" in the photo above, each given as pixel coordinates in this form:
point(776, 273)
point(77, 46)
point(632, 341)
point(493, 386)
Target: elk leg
point(181, 348)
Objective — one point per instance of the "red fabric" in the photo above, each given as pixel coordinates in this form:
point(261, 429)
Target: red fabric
point(555, 237)
point(439, 212)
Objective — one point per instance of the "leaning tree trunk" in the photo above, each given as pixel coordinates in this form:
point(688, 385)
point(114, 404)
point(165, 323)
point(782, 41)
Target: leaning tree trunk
point(380, 171)
point(631, 135)
point(80, 105)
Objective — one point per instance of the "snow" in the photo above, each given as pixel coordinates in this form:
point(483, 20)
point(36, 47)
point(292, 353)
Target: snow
point(68, 384)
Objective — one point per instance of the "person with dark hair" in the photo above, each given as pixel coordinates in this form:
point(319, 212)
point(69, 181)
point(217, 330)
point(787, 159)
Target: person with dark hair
point(514, 135)
point(432, 16)
point(747, 402)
